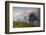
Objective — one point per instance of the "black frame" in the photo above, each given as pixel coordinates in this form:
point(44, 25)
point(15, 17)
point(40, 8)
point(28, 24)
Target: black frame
point(7, 16)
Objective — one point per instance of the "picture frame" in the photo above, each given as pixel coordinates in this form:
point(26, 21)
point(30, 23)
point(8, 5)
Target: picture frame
point(11, 6)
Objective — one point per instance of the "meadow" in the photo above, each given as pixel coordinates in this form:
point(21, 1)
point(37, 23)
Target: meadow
point(18, 24)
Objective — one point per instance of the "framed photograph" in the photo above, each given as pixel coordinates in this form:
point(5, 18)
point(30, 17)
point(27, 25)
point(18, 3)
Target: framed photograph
point(24, 17)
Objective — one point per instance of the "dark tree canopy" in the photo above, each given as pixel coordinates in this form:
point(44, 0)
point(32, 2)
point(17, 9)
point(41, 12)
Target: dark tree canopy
point(32, 17)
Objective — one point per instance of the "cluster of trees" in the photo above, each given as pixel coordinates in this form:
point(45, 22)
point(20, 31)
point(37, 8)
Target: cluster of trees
point(33, 20)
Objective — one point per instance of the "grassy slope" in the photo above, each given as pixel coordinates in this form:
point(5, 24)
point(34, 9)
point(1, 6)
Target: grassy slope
point(20, 24)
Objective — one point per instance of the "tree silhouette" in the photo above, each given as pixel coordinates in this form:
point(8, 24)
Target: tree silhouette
point(25, 19)
point(32, 18)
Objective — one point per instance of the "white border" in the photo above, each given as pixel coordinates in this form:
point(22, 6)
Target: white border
point(11, 29)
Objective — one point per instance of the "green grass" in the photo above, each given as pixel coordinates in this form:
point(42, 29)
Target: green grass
point(18, 24)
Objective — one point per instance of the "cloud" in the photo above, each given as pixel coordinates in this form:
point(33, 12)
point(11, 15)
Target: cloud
point(17, 13)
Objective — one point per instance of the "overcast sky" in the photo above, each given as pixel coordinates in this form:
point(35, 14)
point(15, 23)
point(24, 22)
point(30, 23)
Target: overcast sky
point(20, 12)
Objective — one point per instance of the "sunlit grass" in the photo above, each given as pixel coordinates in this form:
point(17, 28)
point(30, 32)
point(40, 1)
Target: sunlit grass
point(18, 24)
